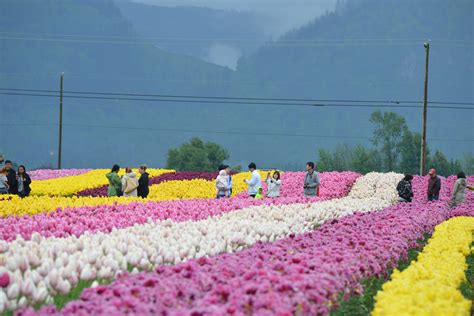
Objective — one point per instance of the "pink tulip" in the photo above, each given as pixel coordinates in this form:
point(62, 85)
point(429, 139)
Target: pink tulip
point(4, 280)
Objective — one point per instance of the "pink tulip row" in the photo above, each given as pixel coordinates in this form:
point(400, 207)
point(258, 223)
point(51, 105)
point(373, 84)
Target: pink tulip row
point(103, 218)
point(44, 174)
point(297, 275)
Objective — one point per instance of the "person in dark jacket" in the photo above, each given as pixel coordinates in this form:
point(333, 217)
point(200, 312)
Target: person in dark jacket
point(11, 176)
point(404, 189)
point(143, 183)
point(434, 186)
point(311, 180)
point(23, 181)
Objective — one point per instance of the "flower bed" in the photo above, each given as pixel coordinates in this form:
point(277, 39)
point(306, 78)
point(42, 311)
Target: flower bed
point(333, 184)
point(297, 275)
point(298, 270)
point(104, 255)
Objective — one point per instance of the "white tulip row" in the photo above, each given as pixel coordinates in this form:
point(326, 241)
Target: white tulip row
point(42, 267)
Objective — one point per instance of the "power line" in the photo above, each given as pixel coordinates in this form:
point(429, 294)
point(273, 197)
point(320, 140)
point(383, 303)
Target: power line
point(395, 105)
point(313, 43)
point(218, 131)
point(284, 40)
point(212, 97)
point(236, 98)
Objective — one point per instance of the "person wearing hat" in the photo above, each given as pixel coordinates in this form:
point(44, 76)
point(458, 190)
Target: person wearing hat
point(434, 185)
point(143, 182)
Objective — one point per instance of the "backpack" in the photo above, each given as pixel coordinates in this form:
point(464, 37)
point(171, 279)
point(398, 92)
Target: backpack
point(130, 185)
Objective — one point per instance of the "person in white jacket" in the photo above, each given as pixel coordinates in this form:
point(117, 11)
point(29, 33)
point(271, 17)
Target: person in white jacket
point(274, 184)
point(255, 182)
point(222, 185)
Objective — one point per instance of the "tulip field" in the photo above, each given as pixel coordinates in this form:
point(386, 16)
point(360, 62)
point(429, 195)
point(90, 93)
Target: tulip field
point(68, 249)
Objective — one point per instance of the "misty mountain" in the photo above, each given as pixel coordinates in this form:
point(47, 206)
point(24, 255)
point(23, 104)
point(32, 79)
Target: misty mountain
point(337, 56)
point(100, 51)
point(340, 56)
point(217, 36)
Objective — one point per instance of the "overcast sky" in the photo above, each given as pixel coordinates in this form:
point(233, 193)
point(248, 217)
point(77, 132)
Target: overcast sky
point(286, 14)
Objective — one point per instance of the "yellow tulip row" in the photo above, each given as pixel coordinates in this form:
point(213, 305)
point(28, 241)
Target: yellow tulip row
point(196, 188)
point(67, 186)
point(430, 286)
point(165, 191)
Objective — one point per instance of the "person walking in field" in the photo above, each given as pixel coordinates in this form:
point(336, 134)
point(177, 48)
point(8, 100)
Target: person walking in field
point(115, 184)
point(404, 189)
point(129, 183)
point(143, 182)
point(274, 184)
point(24, 181)
point(459, 191)
point(255, 182)
point(311, 180)
point(434, 186)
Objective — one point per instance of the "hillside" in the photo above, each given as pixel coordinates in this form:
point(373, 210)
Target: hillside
point(340, 56)
point(209, 34)
point(98, 50)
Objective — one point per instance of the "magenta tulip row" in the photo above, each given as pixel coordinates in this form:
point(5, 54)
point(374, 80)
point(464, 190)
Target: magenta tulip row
point(103, 218)
point(302, 274)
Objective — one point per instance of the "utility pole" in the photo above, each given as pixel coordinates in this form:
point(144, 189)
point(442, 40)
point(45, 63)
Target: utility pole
point(425, 110)
point(60, 120)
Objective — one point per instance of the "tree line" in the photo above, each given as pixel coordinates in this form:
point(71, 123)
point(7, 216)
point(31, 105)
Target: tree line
point(394, 148)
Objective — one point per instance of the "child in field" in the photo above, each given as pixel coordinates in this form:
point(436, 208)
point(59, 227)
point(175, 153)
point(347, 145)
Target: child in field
point(259, 194)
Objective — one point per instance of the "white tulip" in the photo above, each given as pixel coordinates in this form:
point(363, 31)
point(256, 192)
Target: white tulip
point(3, 301)
point(28, 287)
point(22, 302)
point(13, 291)
point(88, 273)
point(64, 287)
point(40, 294)
point(3, 246)
point(12, 305)
point(105, 273)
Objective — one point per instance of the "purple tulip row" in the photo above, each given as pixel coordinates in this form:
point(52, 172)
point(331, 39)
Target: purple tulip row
point(299, 275)
point(103, 218)
point(172, 176)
